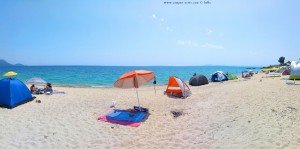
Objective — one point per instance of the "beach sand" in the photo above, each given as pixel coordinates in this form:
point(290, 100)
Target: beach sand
point(246, 113)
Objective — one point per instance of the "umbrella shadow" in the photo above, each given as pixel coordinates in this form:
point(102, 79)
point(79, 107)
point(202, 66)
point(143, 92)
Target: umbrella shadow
point(136, 109)
point(133, 112)
point(146, 117)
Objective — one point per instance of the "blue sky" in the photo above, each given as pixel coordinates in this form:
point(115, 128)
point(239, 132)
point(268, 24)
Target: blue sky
point(149, 32)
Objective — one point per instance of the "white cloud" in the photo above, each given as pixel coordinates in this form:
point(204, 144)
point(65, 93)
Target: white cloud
point(212, 46)
point(188, 43)
point(168, 28)
point(154, 16)
point(208, 32)
point(162, 22)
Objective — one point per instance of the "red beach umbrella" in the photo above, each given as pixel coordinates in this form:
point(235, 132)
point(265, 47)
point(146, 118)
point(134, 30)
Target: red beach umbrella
point(134, 79)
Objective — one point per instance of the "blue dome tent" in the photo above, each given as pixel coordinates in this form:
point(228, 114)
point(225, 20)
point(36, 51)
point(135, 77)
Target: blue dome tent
point(218, 76)
point(13, 92)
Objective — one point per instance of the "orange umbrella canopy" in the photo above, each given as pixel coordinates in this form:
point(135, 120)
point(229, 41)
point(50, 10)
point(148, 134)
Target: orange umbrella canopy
point(134, 79)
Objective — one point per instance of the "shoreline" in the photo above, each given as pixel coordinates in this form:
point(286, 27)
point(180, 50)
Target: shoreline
point(111, 86)
point(146, 85)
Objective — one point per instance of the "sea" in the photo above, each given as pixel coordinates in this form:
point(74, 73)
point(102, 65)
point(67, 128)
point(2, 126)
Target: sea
point(105, 76)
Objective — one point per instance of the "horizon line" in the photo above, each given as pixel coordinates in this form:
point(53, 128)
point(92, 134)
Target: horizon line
point(141, 65)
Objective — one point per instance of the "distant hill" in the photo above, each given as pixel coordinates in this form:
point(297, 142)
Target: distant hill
point(5, 63)
point(19, 64)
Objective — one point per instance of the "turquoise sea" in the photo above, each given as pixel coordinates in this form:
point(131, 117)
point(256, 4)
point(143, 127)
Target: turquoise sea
point(105, 76)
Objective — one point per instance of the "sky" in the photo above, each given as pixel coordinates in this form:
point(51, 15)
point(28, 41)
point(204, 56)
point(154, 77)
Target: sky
point(149, 32)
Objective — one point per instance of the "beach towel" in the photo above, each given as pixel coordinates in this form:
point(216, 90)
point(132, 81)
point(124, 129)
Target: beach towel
point(124, 117)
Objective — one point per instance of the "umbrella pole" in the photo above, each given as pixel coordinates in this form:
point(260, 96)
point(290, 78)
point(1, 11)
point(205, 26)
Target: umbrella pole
point(294, 81)
point(154, 82)
point(294, 76)
point(137, 95)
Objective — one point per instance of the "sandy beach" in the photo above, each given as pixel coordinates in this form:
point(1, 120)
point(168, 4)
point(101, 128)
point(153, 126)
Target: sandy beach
point(245, 113)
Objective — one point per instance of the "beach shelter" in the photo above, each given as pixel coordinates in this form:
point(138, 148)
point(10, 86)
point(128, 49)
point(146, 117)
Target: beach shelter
point(273, 69)
point(283, 68)
point(231, 76)
point(295, 70)
point(37, 81)
point(134, 79)
point(178, 88)
point(13, 92)
point(198, 80)
point(218, 76)
point(286, 72)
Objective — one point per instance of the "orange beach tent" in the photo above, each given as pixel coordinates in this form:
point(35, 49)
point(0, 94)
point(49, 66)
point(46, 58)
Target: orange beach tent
point(178, 87)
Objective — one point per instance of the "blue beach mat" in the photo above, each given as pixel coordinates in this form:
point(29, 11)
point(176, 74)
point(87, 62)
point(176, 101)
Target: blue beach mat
point(130, 117)
point(125, 115)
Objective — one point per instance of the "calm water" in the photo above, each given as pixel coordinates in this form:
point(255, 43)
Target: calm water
point(105, 76)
